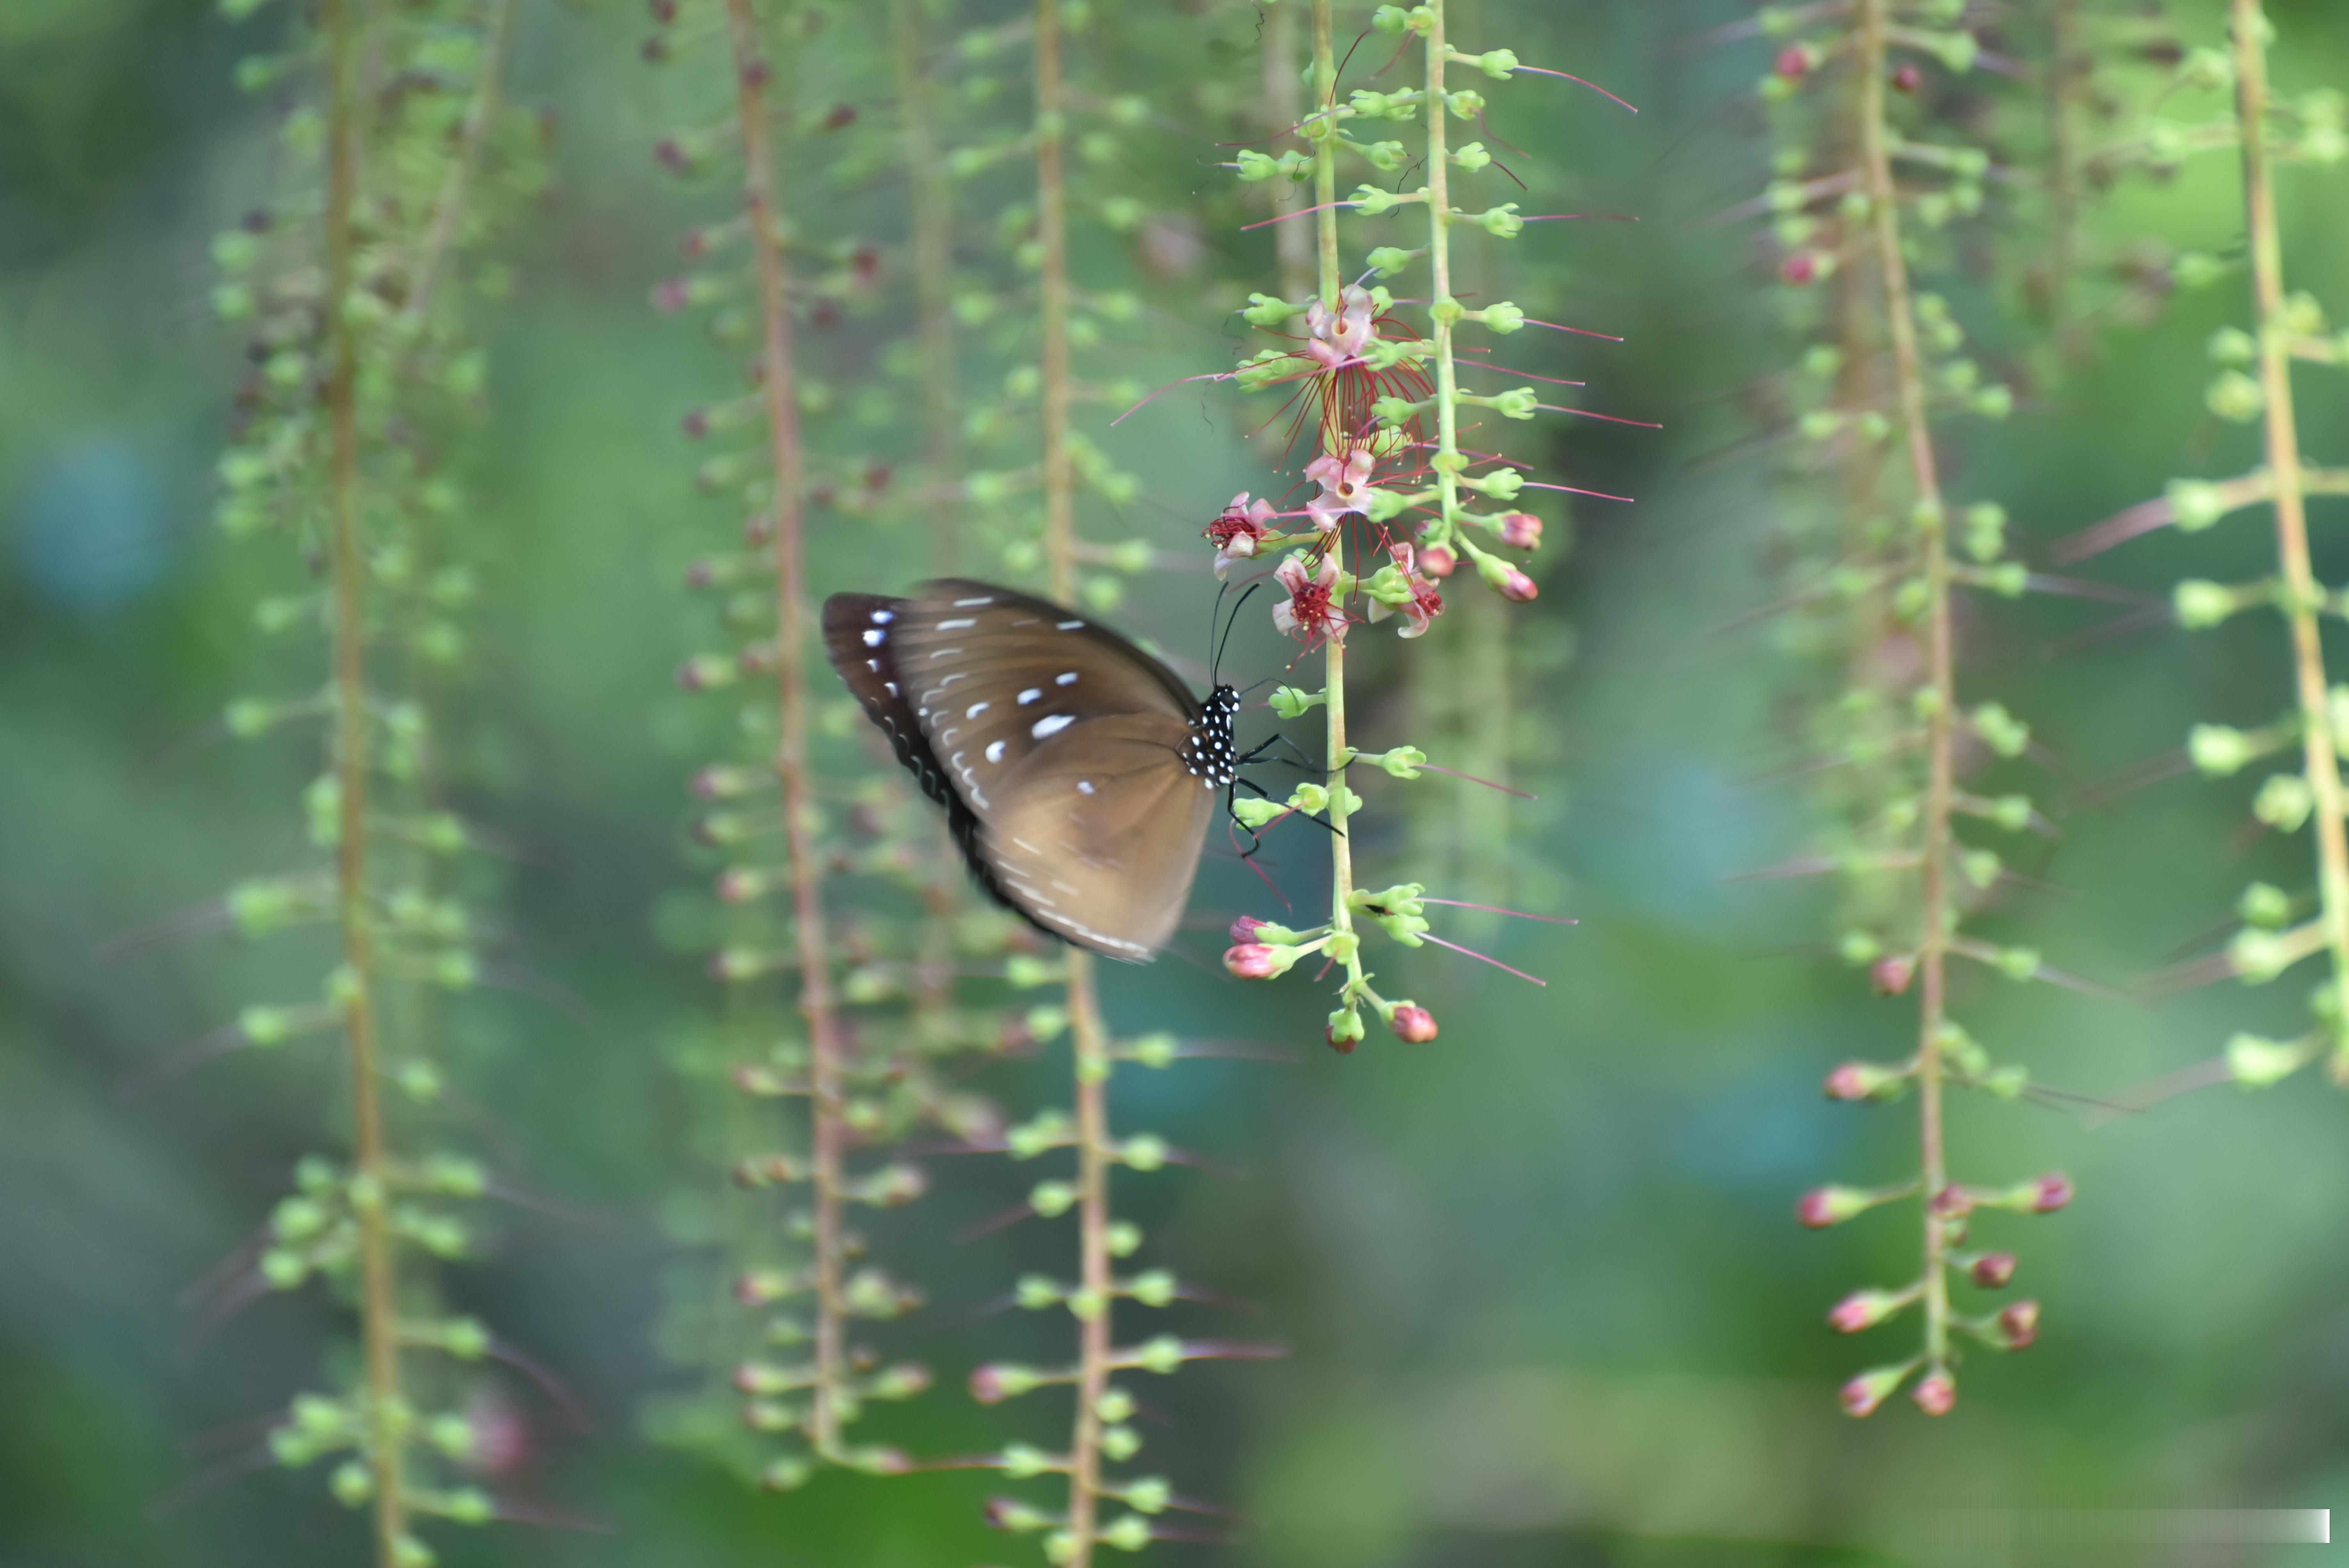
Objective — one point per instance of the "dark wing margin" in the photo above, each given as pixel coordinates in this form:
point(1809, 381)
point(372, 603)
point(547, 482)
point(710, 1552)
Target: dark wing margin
point(856, 639)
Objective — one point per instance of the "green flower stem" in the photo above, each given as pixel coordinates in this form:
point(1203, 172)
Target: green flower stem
point(1908, 378)
point(932, 208)
point(806, 870)
point(1093, 1060)
point(379, 1286)
point(449, 210)
point(2302, 595)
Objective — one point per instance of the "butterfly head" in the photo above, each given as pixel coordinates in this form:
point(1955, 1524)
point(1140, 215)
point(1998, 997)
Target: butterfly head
point(1211, 755)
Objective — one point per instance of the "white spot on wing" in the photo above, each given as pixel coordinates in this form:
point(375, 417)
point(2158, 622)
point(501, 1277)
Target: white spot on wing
point(1084, 785)
point(1066, 678)
point(875, 639)
point(977, 708)
point(995, 754)
point(1069, 625)
point(960, 623)
point(967, 604)
point(1031, 694)
point(1044, 728)
point(883, 617)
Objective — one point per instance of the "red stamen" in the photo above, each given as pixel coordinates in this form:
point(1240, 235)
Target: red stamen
point(1472, 953)
point(1496, 909)
point(1610, 418)
point(1562, 76)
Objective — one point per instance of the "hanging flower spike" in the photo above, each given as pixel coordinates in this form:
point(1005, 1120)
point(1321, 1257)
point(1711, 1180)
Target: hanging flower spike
point(1345, 486)
point(1400, 589)
point(1238, 530)
point(1338, 340)
point(1311, 610)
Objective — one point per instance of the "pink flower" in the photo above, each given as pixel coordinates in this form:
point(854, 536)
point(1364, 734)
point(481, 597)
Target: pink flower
point(1521, 530)
point(1424, 603)
point(1239, 530)
point(1345, 486)
point(1339, 338)
point(1309, 611)
point(1413, 1025)
point(1251, 961)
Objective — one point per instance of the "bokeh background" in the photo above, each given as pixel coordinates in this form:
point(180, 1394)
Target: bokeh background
point(1544, 1295)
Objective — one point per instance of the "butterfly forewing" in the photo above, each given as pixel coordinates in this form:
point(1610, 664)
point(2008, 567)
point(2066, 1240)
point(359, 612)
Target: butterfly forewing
point(992, 674)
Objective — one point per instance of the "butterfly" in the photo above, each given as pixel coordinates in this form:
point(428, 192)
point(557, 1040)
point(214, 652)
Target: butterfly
point(1079, 774)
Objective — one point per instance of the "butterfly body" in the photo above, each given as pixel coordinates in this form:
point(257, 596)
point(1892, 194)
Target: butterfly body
point(1078, 773)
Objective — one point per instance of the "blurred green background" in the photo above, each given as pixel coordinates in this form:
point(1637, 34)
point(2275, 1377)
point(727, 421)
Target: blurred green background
point(1545, 1298)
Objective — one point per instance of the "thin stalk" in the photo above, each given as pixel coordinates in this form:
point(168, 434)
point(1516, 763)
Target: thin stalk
point(2302, 595)
point(481, 117)
point(1933, 938)
point(931, 207)
point(816, 1004)
point(2062, 177)
point(1325, 195)
point(1089, 1038)
point(379, 1287)
point(1283, 108)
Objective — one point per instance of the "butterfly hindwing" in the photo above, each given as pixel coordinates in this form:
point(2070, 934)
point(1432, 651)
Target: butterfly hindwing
point(1098, 831)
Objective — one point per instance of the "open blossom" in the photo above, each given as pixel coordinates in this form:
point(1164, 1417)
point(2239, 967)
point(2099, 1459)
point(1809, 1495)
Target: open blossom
point(1239, 530)
point(1424, 603)
point(1310, 611)
point(1345, 486)
point(1339, 337)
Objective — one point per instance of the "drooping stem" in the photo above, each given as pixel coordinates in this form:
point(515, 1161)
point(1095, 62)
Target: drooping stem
point(1908, 378)
point(932, 208)
point(2282, 435)
point(1336, 443)
point(481, 117)
point(1282, 109)
point(370, 1194)
point(816, 1004)
point(1089, 1038)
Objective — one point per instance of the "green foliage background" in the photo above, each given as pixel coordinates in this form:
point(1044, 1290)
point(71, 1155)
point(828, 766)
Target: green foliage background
point(1546, 1302)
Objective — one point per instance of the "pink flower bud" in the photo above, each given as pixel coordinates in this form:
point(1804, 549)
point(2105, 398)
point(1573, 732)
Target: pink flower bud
point(1252, 961)
point(1862, 1394)
point(1938, 1393)
point(1862, 1080)
point(2018, 1324)
point(2051, 1192)
point(1344, 1048)
point(1952, 1201)
point(1891, 974)
point(1907, 78)
point(669, 294)
point(1413, 1025)
point(986, 1384)
point(1521, 530)
point(1865, 1309)
point(697, 423)
point(1515, 585)
point(738, 884)
point(1993, 1271)
point(839, 117)
point(664, 11)
point(1824, 1206)
point(1244, 928)
point(1438, 561)
point(1794, 63)
point(1800, 267)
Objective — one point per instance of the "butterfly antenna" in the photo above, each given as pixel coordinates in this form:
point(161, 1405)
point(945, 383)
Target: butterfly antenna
point(1214, 668)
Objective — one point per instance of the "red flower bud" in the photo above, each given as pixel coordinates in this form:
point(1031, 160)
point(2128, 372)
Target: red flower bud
point(1521, 530)
point(1413, 1025)
point(1794, 62)
point(1862, 1080)
point(1938, 1393)
point(1800, 267)
point(986, 1384)
point(1244, 928)
point(1437, 561)
point(1517, 585)
point(1993, 1271)
point(2019, 1324)
point(1252, 961)
point(1865, 1309)
point(669, 293)
point(1952, 1201)
point(2051, 1192)
point(1891, 976)
point(1907, 78)
point(1344, 1048)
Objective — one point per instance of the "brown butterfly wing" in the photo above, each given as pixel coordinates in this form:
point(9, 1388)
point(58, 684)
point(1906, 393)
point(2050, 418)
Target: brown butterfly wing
point(992, 674)
point(1096, 834)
